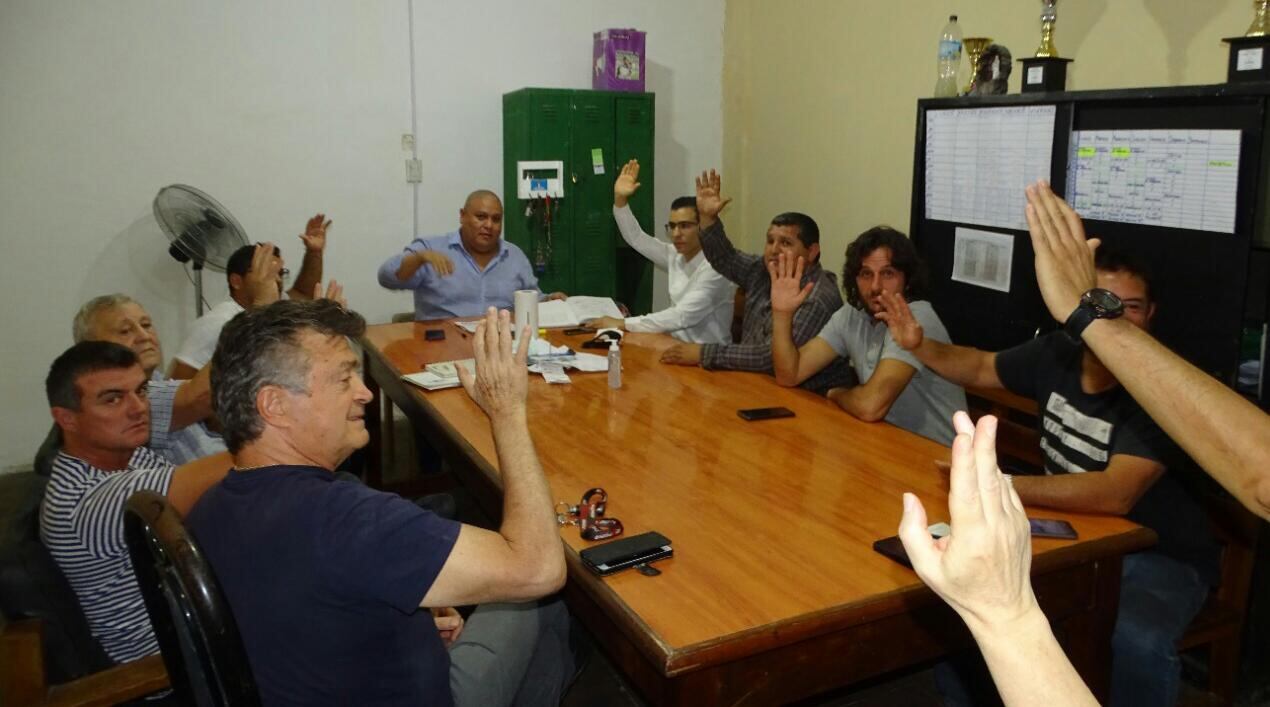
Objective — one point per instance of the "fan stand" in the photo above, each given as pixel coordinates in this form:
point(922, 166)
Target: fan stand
point(198, 287)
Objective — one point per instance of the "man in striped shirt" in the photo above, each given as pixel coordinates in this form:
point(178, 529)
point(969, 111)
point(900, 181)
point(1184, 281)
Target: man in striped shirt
point(97, 394)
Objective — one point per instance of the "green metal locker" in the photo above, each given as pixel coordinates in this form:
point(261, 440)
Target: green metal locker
point(582, 252)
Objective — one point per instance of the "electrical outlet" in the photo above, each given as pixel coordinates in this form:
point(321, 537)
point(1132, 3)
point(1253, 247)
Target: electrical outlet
point(414, 171)
point(407, 142)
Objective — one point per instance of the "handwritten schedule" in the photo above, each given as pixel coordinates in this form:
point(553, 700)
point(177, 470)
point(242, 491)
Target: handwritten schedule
point(1170, 178)
point(979, 160)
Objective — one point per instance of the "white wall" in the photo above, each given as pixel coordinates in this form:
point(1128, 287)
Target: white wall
point(278, 109)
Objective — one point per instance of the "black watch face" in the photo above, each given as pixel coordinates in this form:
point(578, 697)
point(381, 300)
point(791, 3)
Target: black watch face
point(1103, 300)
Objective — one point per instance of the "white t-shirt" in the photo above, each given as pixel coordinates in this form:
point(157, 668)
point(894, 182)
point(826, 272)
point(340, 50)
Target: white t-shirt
point(927, 404)
point(200, 343)
point(701, 299)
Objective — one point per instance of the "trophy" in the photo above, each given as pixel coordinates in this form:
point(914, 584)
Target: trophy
point(974, 49)
point(1049, 14)
point(1248, 60)
point(1260, 26)
point(1046, 71)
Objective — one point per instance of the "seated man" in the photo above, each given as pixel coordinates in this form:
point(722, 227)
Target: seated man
point(97, 393)
point(1102, 455)
point(794, 234)
point(466, 270)
point(179, 409)
point(701, 300)
point(332, 595)
point(255, 279)
point(894, 385)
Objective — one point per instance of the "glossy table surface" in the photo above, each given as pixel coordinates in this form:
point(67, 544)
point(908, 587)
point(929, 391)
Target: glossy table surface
point(772, 522)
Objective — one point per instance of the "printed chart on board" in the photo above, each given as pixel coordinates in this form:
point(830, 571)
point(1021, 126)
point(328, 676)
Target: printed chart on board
point(1170, 178)
point(979, 160)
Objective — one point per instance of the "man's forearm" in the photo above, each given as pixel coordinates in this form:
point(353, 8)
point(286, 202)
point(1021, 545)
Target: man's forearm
point(1224, 433)
point(528, 525)
point(784, 352)
point(1089, 492)
point(1028, 665)
point(963, 365)
point(193, 400)
point(309, 277)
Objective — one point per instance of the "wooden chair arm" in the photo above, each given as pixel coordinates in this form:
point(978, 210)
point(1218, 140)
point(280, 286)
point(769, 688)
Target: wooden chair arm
point(22, 676)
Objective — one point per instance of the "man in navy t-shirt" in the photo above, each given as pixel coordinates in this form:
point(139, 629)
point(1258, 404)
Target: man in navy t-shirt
point(343, 593)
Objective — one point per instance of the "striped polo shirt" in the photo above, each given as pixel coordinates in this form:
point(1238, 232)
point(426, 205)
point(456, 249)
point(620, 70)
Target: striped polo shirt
point(81, 523)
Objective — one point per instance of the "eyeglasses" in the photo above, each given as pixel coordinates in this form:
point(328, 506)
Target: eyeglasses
point(679, 226)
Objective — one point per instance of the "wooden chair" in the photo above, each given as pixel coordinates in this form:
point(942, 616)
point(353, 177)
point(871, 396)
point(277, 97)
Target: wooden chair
point(1219, 625)
point(47, 654)
point(198, 637)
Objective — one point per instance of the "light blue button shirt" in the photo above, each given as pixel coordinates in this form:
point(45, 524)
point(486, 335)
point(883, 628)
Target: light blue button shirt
point(468, 291)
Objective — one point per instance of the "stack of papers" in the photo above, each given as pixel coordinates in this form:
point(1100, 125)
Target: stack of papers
point(438, 376)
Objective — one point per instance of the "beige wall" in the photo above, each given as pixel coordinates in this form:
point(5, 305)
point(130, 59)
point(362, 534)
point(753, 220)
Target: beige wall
point(820, 96)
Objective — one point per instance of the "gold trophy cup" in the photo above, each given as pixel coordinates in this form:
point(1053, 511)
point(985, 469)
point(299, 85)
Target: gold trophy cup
point(1049, 15)
point(974, 49)
point(1260, 26)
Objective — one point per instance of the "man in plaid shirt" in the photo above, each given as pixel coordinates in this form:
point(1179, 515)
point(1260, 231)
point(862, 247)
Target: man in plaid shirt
point(794, 234)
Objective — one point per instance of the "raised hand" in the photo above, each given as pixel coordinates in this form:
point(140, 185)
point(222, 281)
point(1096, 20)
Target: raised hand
point(1064, 258)
point(262, 279)
point(334, 292)
point(440, 262)
point(501, 382)
point(981, 568)
point(900, 320)
point(627, 183)
point(314, 236)
point(709, 199)
point(787, 295)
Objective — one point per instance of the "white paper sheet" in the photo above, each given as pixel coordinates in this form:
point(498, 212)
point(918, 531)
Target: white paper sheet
point(979, 160)
point(983, 258)
point(1169, 178)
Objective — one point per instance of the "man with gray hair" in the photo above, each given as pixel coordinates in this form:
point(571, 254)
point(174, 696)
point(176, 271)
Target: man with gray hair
point(179, 409)
point(344, 594)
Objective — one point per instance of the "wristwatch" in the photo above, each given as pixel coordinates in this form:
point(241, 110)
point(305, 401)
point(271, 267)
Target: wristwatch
point(1094, 304)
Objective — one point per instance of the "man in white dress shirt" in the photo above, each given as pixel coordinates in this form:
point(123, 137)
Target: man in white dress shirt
point(701, 299)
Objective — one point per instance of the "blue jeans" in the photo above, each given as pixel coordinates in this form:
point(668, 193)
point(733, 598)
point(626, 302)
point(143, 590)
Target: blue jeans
point(1158, 598)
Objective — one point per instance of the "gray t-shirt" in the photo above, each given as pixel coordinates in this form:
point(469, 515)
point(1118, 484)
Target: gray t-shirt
point(927, 404)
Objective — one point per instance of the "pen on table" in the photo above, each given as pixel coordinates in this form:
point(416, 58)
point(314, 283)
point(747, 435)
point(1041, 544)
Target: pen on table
point(462, 332)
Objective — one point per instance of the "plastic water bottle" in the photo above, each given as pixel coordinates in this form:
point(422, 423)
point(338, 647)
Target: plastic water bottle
point(949, 59)
point(615, 365)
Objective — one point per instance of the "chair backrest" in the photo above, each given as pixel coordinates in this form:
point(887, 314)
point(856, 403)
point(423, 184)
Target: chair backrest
point(33, 587)
point(197, 635)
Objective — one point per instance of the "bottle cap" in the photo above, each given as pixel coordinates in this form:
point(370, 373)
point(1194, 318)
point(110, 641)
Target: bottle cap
point(613, 345)
point(952, 18)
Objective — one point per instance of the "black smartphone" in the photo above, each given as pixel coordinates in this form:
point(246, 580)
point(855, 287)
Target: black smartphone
point(1051, 528)
point(578, 330)
point(626, 553)
point(894, 549)
point(434, 335)
point(755, 414)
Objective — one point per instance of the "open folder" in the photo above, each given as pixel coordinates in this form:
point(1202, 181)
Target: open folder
point(575, 310)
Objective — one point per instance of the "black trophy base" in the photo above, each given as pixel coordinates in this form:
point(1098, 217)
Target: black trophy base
point(1044, 74)
point(1249, 59)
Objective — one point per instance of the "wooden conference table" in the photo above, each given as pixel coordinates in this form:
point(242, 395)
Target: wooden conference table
point(775, 592)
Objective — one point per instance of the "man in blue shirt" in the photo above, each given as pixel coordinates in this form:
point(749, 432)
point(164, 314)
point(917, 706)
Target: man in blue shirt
point(461, 273)
point(342, 593)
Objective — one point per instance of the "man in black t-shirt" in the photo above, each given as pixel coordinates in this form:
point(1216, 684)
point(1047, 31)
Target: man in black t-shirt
point(1102, 454)
point(342, 593)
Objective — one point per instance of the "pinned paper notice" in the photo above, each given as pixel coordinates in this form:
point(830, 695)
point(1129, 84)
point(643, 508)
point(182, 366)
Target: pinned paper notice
point(1249, 59)
point(597, 160)
point(983, 258)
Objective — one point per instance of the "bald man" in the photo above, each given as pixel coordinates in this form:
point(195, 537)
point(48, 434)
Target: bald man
point(462, 273)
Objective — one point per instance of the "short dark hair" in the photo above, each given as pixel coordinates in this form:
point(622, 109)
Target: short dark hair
point(261, 347)
point(808, 231)
point(79, 360)
point(904, 258)
point(1112, 259)
point(684, 202)
point(240, 262)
